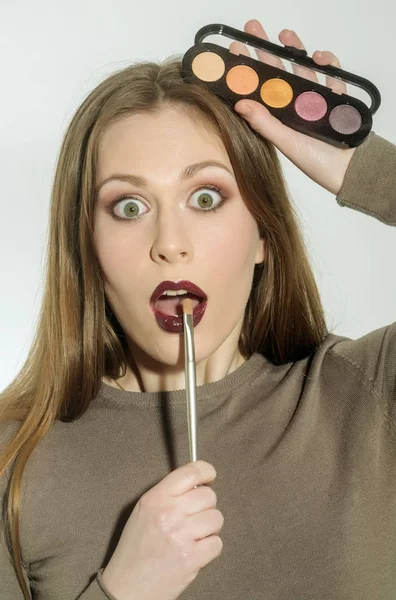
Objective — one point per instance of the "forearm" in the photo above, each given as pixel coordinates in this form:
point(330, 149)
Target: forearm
point(369, 184)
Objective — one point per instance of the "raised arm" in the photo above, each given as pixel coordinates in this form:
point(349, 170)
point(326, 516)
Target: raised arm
point(369, 184)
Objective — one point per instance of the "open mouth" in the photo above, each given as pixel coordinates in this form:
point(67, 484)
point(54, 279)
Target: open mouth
point(166, 304)
point(171, 306)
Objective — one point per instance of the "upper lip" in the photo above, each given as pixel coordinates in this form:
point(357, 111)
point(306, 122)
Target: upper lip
point(177, 285)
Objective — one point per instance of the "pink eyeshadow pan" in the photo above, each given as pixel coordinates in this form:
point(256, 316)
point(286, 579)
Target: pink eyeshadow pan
point(311, 106)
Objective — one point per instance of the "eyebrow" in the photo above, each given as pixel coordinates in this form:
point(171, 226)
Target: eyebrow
point(186, 173)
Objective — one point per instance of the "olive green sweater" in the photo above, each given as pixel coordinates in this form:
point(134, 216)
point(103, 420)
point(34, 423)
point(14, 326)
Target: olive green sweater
point(305, 455)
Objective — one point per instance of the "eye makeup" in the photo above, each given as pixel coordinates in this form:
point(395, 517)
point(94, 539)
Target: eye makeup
point(110, 209)
point(304, 105)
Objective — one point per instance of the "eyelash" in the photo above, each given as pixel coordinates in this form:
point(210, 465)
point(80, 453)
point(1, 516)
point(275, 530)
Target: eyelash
point(201, 187)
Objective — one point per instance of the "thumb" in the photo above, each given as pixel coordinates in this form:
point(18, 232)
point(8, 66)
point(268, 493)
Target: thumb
point(271, 128)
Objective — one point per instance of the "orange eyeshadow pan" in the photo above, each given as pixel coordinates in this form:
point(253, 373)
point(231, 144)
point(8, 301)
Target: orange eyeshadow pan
point(242, 79)
point(276, 93)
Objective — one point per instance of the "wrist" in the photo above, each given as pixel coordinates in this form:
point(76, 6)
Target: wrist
point(110, 583)
point(346, 157)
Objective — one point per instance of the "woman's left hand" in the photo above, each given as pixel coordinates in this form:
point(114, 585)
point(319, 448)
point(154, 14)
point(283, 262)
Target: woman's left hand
point(323, 163)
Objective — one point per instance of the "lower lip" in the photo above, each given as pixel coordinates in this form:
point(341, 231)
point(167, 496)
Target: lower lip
point(174, 324)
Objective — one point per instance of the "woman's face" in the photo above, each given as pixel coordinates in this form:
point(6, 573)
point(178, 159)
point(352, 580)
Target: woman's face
point(163, 230)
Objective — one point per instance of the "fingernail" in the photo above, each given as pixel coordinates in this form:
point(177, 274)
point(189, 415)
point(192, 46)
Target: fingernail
point(244, 110)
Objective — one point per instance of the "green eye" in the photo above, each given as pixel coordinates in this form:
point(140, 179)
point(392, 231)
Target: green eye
point(206, 198)
point(128, 209)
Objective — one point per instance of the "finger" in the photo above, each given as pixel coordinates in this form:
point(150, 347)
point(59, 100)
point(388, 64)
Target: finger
point(325, 58)
point(239, 48)
point(254, 27)
point(290, 38)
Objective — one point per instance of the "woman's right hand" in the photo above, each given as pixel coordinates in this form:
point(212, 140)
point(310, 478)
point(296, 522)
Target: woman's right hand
point(172, 533)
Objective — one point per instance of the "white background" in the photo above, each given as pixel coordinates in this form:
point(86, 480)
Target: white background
point(53, 53)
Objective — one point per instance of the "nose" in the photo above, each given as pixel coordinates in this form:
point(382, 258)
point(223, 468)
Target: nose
point(172, 241)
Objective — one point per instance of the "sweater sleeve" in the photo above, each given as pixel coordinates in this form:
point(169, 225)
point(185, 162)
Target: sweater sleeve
point(373, 358)
point(9, 584)
point(10, 588)
point(369, 184)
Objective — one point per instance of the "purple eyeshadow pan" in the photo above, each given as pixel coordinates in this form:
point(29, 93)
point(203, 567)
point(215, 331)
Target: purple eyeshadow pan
point(311, 106)
point(345, 119)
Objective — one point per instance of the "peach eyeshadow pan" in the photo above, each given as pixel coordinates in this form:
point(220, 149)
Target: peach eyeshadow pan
point(208, 66)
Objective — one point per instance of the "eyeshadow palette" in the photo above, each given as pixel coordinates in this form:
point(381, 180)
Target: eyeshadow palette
point(302, 104)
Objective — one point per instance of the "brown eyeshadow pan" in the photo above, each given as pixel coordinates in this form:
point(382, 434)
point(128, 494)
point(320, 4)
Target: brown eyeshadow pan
point(345, 119)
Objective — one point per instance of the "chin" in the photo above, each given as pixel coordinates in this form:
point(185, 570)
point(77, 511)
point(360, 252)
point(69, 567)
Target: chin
point(166, 348)
point(171, 353)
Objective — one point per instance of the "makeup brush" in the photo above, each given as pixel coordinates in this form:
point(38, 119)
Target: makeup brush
point(189, 356)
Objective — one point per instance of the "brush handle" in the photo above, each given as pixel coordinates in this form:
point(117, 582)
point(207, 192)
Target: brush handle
point(189, 355)
point(191, 411)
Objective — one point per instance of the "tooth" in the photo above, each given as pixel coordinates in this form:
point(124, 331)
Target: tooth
point(175, 292)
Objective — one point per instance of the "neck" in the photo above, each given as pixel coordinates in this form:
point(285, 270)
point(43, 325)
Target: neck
point(147, 377)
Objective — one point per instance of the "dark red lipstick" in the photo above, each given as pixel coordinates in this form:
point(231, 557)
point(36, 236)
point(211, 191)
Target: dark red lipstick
point(174, 323)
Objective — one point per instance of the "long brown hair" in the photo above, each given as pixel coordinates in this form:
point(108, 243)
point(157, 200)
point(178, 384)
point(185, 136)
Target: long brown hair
point(78, 339)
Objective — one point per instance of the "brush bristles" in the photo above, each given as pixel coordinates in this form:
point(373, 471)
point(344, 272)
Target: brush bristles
point(187, 306)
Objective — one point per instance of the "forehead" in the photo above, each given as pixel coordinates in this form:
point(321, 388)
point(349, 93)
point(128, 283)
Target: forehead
point(166, 140)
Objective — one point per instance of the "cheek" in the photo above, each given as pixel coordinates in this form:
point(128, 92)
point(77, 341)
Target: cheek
point(109, 255)
point(231, 249)
point(116, 256)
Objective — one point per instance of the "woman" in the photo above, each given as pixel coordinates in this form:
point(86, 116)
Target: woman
point(298, 423)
